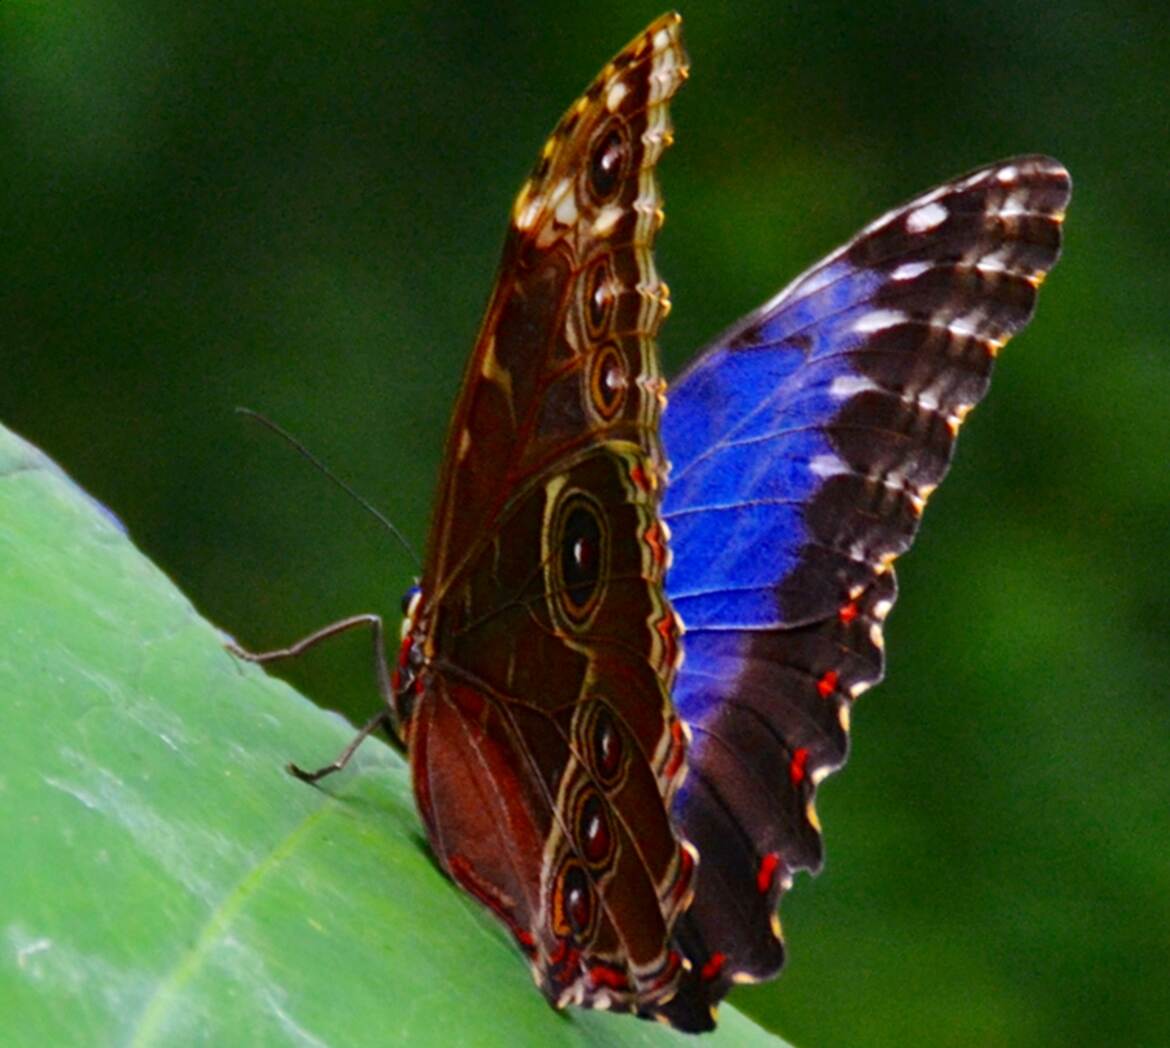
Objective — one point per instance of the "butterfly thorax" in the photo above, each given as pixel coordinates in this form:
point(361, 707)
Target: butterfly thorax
point(407, 677)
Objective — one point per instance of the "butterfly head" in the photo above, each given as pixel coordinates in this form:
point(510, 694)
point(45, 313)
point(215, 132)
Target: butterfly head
point(406, 679)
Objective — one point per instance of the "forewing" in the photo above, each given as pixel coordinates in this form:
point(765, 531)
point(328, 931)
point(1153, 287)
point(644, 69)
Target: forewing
point(566, 356)
point(804, 444)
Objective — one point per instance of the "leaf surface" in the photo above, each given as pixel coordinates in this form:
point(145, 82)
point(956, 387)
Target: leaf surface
point(164, 880)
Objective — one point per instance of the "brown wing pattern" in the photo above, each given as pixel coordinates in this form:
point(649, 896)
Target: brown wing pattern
point(544, 747)
point(566, 355)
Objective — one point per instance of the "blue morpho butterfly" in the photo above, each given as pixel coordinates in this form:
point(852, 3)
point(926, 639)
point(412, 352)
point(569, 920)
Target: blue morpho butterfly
point(630, 816)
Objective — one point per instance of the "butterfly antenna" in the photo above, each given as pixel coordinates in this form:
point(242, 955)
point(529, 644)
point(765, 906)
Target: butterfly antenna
point(326, 472)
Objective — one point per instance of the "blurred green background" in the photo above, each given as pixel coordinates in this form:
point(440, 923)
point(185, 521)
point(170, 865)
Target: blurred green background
point(298, 207)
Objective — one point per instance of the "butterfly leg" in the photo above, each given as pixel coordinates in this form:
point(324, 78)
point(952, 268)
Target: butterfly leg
point(384, 716)
point(372, 725)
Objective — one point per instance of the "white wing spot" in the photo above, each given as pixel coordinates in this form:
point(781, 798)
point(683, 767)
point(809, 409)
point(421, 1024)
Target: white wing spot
point(530, 213)
point(1007, 174)
point(606, 219)
point(1014, 205)
point(962, 327)
point(924, 219)
point(1000, 256)
point(745, 978)
point(566, 211)
point(894, 480)
point(849, 385)
point(878, 320)
point(926, 400)
point(613, 97)
point(910, 270)
point(827, 466)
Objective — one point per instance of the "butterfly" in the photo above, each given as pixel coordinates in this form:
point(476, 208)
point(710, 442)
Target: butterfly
point(644, 614)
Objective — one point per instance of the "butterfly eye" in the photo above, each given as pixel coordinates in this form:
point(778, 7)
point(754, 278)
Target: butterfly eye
point(606, 164)
point(607, 381)
point(408, 599)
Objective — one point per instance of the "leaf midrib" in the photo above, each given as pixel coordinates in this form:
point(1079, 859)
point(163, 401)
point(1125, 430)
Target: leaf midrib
point(152, 1020)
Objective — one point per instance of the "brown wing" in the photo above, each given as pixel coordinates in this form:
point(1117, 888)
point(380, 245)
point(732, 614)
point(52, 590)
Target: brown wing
point(566, 355)
point(544, 747)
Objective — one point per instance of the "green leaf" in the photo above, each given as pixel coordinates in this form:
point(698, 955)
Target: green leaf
point(164, 880)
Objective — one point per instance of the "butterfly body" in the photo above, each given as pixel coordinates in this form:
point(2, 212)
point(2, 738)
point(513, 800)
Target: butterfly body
point(631, 816)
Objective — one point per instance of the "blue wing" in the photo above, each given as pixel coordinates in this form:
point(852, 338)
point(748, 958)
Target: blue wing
point(804, 444)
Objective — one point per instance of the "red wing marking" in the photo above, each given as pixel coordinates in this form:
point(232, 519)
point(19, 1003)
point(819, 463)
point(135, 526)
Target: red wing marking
point(797, 766)
point(713, 967)
point(769, 864)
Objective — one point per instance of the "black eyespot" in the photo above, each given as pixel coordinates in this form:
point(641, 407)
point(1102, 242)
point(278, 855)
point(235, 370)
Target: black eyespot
point(576, 900)
point(581, 555)
point(607, 162)
point(599, 296)
point(607, 749)
point(577, 561)
point(608, 381)
point(594, 837)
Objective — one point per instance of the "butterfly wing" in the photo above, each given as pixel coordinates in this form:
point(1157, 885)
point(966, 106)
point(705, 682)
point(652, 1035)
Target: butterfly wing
point(543, 744)
point(804, 444)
